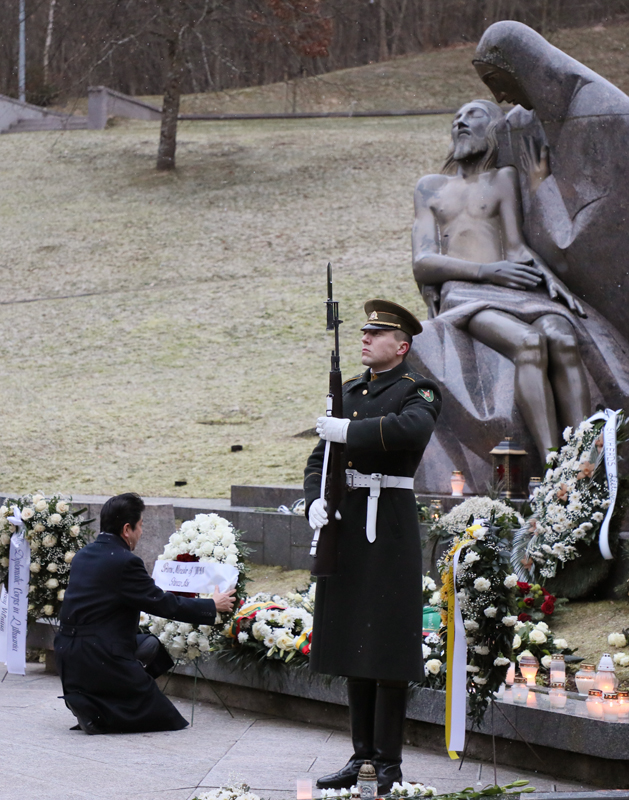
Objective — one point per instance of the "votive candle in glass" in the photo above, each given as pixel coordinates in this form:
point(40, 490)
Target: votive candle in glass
point(557, 695)
point(610, 706)
point(585, 679)
point(557, 669)
point(528, 667)
point(606, 679)
point(594, 704)
point(623, 706)
point(519, 690)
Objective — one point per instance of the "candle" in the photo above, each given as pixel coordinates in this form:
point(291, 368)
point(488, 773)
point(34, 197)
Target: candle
point(557, 669)
point(457, 482)
point(304, 789)
point(557, 695)
point(594, 704)
point(623, 706)
point(585, 679)
point(528, 667)
point(606, 679)
point(520, 690)
point(510, 674)
point(610, 707)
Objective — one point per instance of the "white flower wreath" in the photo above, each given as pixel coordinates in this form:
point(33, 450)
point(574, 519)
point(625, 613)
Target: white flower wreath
point(208, 537)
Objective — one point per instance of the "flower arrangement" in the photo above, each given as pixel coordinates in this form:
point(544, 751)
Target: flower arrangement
point(456, 521)
point(236, 792)
point(208, 537)
point(410, 790)
point(535, 602)
point(485, 591)
point(55, 534)
point(274, 628)
point(536, 639)
point(430, 593)
point(569, 505)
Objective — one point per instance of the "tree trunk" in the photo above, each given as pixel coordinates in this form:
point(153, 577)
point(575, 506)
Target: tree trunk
point(383, 54)
point(170, 106)
point(48, 43)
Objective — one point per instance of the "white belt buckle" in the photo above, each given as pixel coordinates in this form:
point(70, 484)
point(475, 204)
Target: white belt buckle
point(375, 482)
point(349, 478)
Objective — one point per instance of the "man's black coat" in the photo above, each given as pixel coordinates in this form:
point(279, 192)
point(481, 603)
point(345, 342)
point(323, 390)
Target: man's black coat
point(368, 618)
point(95, 648)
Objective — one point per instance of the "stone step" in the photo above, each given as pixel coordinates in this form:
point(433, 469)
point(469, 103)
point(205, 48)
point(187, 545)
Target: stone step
point(49, 123)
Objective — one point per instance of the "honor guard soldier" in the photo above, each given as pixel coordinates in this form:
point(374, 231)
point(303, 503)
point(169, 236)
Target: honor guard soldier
point(368, 616)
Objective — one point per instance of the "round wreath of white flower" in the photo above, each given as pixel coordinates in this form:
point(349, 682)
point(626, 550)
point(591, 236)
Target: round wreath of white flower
point(238, 792)
point(208, 537)
point(55, 533)
point(569, 505)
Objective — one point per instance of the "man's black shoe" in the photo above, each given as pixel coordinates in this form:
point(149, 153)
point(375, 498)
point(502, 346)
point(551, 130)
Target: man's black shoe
point(86, 725)
point(345, 778)
point(388, 774)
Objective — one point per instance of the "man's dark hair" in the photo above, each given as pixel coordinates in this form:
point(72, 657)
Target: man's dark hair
point(402, 336)
point(119, 510)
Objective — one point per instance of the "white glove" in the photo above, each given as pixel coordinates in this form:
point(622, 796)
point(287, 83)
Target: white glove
point(332, 429)
point(317, 515)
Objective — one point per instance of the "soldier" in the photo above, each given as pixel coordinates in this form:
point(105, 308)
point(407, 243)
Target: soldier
point(368, 617)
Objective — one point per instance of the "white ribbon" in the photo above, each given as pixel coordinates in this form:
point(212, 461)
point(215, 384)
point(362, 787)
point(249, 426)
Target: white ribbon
point(456, 676)
point(19, 570)
point(4, 613)
point(611, 469)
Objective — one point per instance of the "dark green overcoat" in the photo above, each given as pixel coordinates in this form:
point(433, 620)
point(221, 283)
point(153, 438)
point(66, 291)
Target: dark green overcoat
point(368, 617)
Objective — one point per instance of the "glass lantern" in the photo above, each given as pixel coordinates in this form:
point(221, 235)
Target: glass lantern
point(623, 706)
point(557, 669)
point(610, 706)
point(533, 485)
point(606, 679)
point(457, 482)
point(519, 691)
point(507, 460)
point(557, 695)
point(528, 667)
point(585, 679)
point(594, 704)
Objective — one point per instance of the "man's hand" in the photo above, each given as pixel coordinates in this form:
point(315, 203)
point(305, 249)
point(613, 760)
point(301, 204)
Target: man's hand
point(557, 288)
point(332, 429)
point(224, 601)
point(318, 516)
point(510, 274)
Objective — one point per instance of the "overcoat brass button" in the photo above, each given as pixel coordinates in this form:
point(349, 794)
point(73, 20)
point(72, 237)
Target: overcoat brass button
point(364, 391)
point(355, 413)
point(350, 464)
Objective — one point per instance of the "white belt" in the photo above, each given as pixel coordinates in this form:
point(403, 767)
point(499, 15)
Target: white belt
point(375, 482)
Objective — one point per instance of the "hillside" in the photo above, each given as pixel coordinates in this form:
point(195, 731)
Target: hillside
point(151, 321)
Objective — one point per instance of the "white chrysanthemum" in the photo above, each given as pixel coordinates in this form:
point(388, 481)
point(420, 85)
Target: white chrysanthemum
point(482, 584)
point(435, 599)
point(480, 681)
point(509, 621)
point(243, 636)
point(425, 651)
point(501, 661)
point(490, 611)
point(511, 581)
point(470, 625)
point(48, 610)
point(481, 649)
point(471, 668)
point(471, 557)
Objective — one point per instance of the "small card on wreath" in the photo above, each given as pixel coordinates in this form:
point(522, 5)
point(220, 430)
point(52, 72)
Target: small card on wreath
point(195, 577)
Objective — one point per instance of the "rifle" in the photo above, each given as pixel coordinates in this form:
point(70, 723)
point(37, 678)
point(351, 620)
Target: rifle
point(324, 547)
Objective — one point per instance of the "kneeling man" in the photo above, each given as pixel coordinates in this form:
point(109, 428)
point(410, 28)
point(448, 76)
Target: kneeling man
point(103, 663)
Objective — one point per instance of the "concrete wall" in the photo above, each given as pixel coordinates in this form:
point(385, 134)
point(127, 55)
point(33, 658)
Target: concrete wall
point(103, 103)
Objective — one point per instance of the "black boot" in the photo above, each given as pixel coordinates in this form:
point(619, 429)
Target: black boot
point(389, 733)
point(361, 694)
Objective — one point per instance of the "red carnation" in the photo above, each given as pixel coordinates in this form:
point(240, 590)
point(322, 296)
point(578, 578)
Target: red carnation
point(524, 617)
point(548, 606)
point(529, 601)
point(524, 587)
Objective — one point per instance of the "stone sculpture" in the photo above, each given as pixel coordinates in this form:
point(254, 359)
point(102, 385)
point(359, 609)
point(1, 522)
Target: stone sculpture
point(518, 350)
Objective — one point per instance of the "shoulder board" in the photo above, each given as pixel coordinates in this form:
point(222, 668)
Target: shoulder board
point(349, 380)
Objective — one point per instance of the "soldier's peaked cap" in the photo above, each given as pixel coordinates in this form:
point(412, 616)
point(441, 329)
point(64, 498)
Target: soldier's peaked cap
point(385, 315)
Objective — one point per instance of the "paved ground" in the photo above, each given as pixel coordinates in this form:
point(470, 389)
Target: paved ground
point(42, 758)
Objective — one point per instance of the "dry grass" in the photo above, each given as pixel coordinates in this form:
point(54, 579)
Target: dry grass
point(204, 293)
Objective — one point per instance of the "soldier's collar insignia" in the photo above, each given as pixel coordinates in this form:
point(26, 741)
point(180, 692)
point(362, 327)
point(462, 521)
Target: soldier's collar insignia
point(373, 315)
point(427, 394)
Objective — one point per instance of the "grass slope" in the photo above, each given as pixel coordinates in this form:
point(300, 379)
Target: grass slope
point(203, 320)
